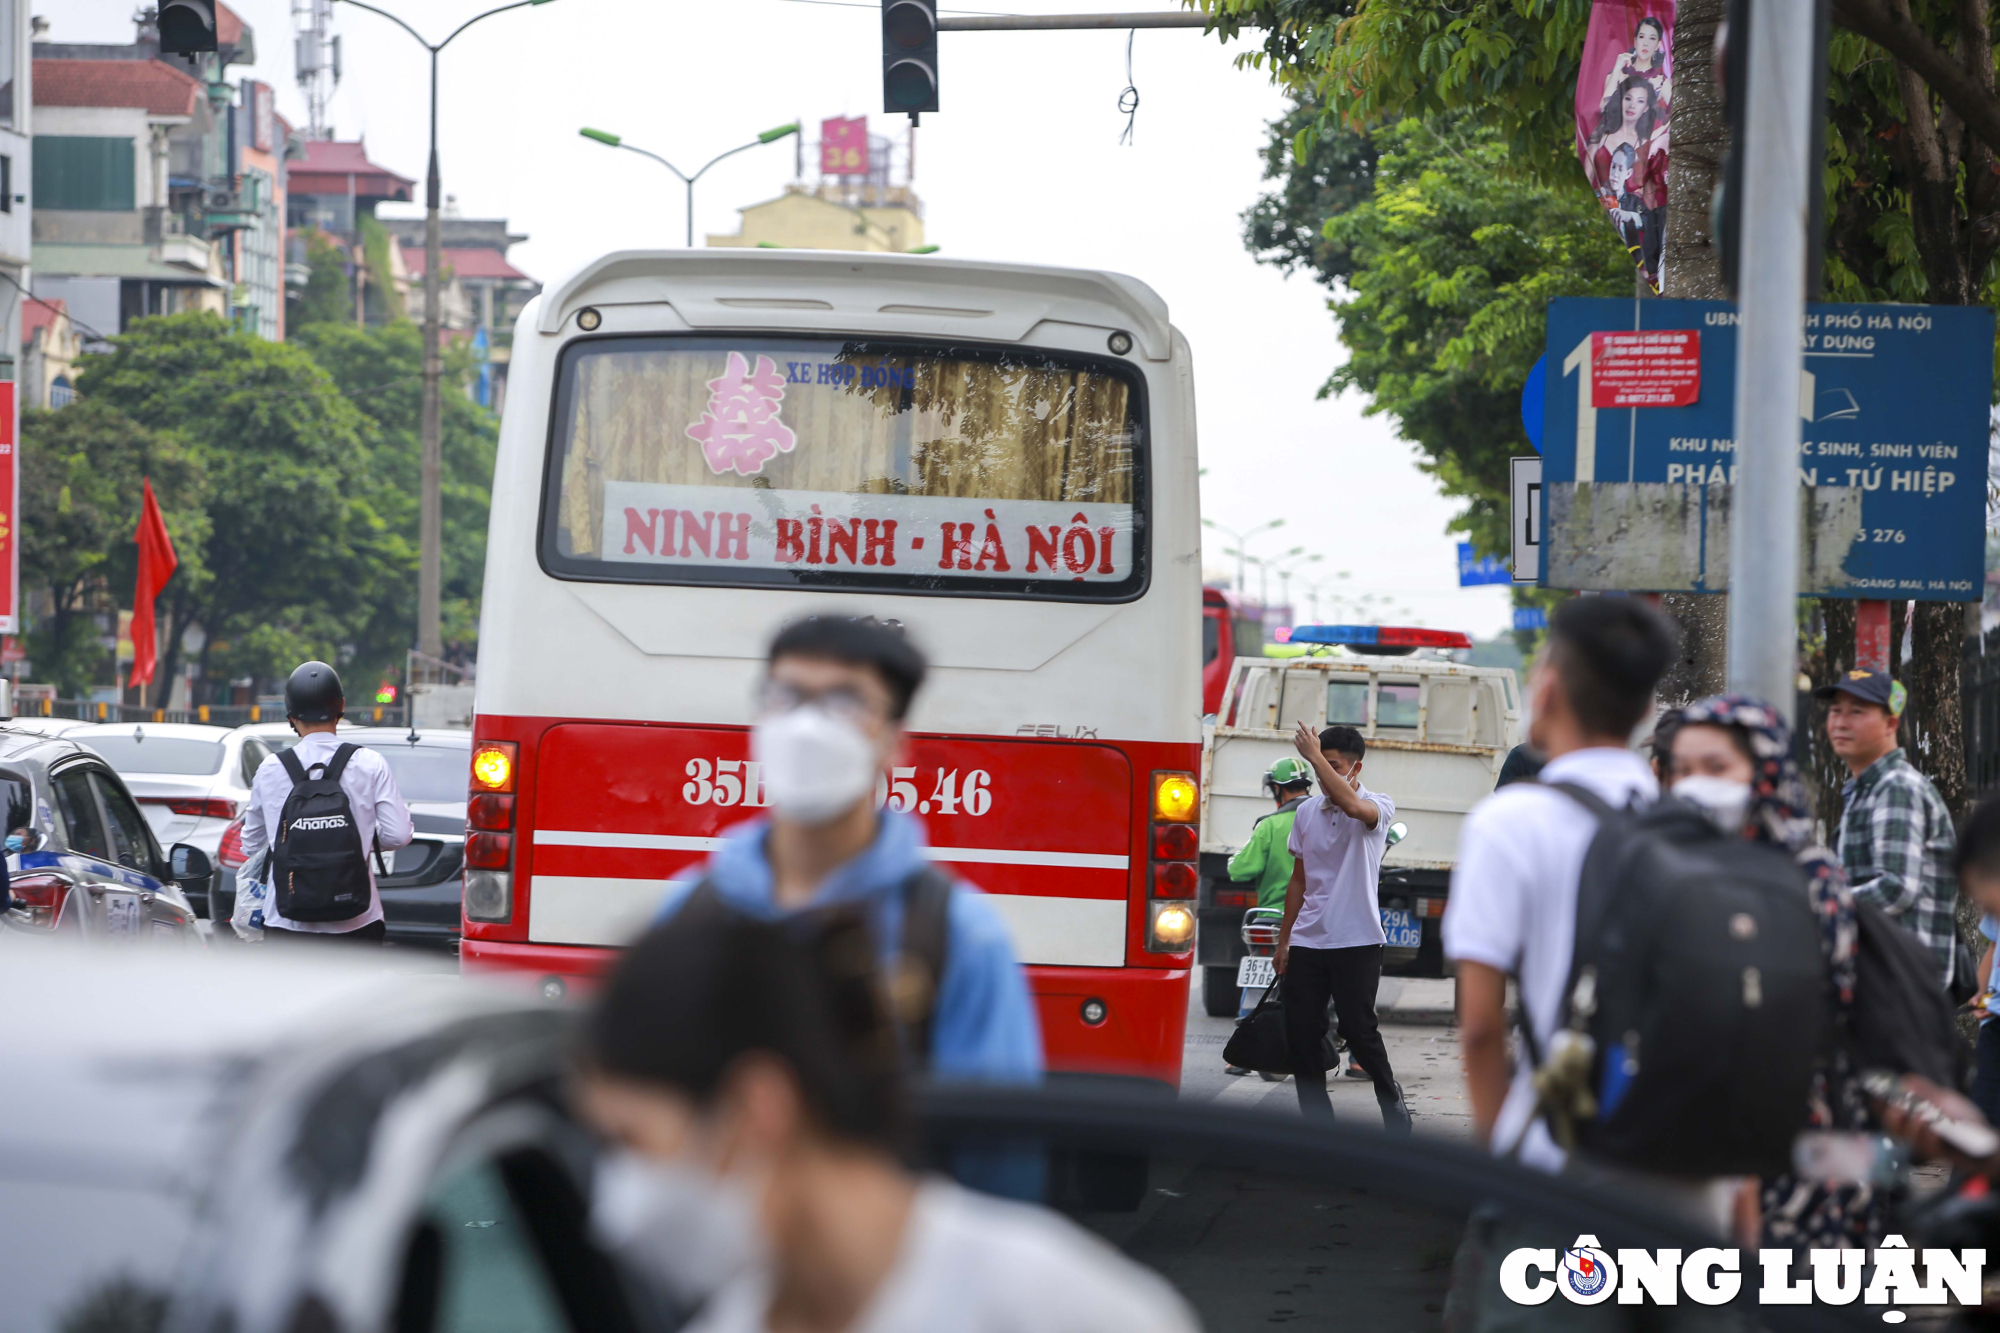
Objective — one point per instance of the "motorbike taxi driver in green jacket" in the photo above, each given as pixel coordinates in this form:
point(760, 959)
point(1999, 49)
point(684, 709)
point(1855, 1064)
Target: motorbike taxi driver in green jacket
point(1266, 860)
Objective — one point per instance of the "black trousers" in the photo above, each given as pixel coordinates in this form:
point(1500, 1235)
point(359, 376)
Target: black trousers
point(1348, 977)
point(372, 933)
point(1986, 1071)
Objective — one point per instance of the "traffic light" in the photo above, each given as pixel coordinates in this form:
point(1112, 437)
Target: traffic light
point(187, 27)
point(909, 56)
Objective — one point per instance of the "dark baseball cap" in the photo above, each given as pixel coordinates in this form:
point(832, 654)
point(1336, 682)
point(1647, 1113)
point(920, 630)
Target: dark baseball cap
point(1873, 687)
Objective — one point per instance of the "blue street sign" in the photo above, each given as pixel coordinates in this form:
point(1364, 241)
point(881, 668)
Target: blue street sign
point(1530, 618)
point(1640, 450)
point(1485, 569)
point(1532, 394)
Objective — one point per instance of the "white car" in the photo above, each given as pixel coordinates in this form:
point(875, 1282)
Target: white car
point(46, 726)
point(190, 780)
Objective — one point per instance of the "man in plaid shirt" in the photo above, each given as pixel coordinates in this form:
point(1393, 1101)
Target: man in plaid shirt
point(1896, 836)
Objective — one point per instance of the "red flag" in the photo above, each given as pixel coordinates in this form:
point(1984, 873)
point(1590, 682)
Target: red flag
point(157, 563)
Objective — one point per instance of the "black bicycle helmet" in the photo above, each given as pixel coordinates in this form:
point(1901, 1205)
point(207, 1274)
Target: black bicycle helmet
point(313, 694)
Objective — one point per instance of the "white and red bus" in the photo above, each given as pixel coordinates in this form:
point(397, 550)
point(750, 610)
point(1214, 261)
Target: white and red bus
point(701, 445)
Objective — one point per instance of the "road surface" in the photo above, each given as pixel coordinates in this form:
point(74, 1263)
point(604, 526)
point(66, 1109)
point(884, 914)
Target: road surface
point(1423, 1050)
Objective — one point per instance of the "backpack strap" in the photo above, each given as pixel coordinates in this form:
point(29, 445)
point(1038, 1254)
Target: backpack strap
point(1583, 796)
point(920, 962)
point(338, 764)
point(293, 768)
point(1603, 812)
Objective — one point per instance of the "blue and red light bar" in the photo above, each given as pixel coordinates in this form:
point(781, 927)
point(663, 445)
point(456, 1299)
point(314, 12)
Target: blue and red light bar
point(1380, 636)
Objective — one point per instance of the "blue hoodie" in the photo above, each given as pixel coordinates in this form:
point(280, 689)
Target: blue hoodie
point(984, 1025)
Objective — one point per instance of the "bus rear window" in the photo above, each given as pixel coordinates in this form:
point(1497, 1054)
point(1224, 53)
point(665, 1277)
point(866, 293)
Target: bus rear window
point(793, 462)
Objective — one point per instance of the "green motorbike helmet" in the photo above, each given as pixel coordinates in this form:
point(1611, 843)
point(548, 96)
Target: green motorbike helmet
point(1288, 772)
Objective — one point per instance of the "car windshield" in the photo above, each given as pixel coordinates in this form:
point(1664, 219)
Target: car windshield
point(837, 463)
point(427, 772)
point(180, 756)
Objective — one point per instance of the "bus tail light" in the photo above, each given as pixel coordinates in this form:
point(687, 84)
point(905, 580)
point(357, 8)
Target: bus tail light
point(1173, 879)
point(1173, 842)
point(1236, 898)
point(1169, 926)
point(493, 765)
point(489, 896)
point(492, 812)
point(1176, 798)
point(489, 851)
point(42, 895)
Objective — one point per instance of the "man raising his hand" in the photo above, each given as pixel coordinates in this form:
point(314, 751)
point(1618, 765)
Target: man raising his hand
point(1331, 943)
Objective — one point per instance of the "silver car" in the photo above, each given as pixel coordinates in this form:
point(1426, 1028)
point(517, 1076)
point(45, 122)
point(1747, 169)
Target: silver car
point(334, 1148)
point(190, 779)
point(91, 867)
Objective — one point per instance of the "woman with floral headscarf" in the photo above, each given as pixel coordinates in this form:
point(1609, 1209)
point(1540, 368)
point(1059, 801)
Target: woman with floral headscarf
point(1732, 757)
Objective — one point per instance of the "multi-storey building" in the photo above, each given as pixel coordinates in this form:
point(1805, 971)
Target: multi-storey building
point(162, 190)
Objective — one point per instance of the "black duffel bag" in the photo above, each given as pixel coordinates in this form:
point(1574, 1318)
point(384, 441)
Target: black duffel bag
point(1259, 1040)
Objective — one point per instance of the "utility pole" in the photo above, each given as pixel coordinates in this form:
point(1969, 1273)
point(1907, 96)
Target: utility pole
point(430, 507)
point(1764, 523)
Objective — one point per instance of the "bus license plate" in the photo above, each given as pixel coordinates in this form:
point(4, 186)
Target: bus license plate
point(1403, 930)
point(1255, 973)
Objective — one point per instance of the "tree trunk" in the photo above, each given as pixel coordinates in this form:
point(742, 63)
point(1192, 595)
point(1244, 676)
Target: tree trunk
point(1698, 671)
point(1691, 269)
point(1691, 265)
point(179, 616)
point(1834, 658)
point(1934, 727)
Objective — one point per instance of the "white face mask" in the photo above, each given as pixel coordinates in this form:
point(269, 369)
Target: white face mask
point(817, 763)
point(1726, 803)
point(691, 1231)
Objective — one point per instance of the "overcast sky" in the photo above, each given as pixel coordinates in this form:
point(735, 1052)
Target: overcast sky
point(1022, 164)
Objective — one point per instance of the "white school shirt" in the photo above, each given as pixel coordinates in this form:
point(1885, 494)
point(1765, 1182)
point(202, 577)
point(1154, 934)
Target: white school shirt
point(1513, 905)
point(1341, 908)
point(371, 793)
point(976, 1264)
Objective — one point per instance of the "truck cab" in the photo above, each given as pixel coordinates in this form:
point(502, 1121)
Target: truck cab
point(1437, 732)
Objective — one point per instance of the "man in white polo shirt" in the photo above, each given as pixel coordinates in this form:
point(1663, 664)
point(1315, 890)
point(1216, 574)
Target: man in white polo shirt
point(1512, 909)
point(1331, 943)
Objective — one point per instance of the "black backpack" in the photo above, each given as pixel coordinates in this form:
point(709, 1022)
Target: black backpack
point(1902, 1020)
point(319, 868)
point(912, 988)
point(1700, 982)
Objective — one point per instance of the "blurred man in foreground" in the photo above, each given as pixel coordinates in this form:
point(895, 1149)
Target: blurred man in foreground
point(749, 1076)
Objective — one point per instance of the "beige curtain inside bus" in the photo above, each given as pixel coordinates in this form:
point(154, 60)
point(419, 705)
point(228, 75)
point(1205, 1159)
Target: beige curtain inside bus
point(983, 429)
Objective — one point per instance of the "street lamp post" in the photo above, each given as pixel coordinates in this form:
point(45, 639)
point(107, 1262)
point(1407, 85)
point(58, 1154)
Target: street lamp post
point(430, 510)
point(1291, 563)
point(1242, 540)
point(614, 141)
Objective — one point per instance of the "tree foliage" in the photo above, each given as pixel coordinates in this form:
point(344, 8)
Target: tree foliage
point(1514, 62)
point(1441, 267)
point(381, 372)
point(81, 474)
point(296, 541)
point(1911, 179)
point(325, 298)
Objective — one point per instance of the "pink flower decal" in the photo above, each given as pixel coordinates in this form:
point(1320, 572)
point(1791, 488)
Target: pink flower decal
point(739, 430)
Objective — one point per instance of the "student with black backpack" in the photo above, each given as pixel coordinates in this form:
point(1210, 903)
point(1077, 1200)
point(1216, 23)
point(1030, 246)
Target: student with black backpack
point(1668, 974)
point(324, 810)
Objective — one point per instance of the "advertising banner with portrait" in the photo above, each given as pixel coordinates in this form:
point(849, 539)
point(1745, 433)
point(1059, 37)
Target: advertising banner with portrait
point(1624, 96)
